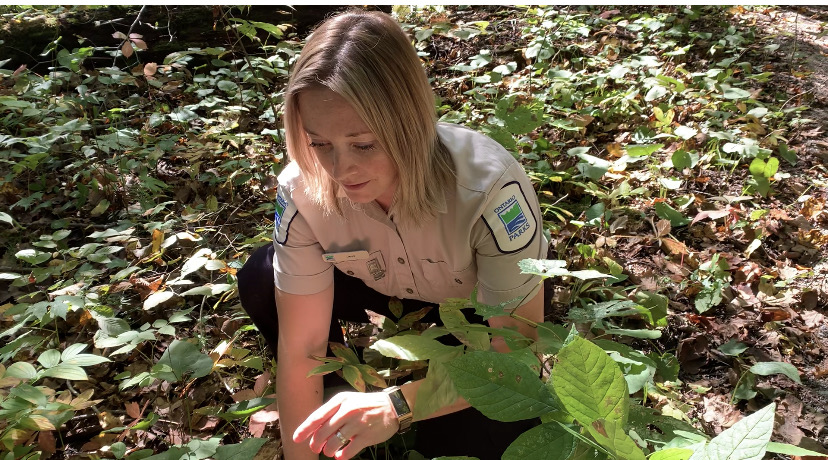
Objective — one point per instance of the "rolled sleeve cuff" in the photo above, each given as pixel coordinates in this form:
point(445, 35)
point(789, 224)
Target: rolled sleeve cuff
point(516, 297)
point(303, 284)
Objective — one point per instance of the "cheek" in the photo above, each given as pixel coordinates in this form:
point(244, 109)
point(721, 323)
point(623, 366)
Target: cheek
point(324, 161)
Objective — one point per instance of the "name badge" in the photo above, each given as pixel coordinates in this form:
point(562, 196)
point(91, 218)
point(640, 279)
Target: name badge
point(334, 257)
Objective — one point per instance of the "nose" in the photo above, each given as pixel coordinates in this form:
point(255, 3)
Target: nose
point(343, 163)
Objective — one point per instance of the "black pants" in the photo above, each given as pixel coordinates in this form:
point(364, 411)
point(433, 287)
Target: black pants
point(467, 432)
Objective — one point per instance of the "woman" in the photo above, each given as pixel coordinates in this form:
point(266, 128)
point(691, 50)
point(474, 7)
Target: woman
point(380, 200)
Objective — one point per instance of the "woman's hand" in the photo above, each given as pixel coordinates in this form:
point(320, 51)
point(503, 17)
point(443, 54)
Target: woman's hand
point(362, 419)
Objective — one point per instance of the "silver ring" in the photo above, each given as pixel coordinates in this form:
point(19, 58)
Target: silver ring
point(341, 438)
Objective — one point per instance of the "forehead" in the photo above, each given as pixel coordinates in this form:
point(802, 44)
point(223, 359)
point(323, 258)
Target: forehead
point(325, 112)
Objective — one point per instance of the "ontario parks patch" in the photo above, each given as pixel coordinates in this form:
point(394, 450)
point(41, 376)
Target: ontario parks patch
point(285, 212)
point(510, 219)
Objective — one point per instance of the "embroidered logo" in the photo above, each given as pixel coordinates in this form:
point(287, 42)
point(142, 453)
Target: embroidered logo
point(513, 218)
point(375, 269)
point(510, 218)
point(281, 205)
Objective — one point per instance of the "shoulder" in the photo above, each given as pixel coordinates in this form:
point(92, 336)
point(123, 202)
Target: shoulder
point(290, 177)
point(480, 161)
point(497, 186)
point(291, 201)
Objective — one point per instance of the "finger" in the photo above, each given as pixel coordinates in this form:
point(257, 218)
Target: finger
point(316, 419)
point(352, 449)
point(334, 443)
point(325, 438)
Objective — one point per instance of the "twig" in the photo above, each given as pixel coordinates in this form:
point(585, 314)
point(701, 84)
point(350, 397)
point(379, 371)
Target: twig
point(129, 32)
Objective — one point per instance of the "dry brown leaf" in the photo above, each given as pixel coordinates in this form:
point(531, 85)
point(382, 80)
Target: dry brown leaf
point(813, 236)
point(693, 353)
point(812, 319)
point(772, 314)
point(133, 410)
point(714, 214)
point(812, 207)
point(150, 69)
point(244, 395)
point(127, 49)
point(261, 384)
point(719, 412)
point(46, 442)
point(615, 149)
point(157, 239)
point(663, 228)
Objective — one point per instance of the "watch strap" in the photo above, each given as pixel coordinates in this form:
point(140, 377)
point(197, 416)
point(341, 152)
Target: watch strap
point(404, 415)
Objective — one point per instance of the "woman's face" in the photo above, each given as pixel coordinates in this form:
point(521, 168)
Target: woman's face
point(346, 148)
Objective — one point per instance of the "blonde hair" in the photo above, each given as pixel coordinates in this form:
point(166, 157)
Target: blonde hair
point(366, 58)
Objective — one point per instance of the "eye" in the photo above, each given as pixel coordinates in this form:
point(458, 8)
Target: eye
point(365, 147)
point(316, 145)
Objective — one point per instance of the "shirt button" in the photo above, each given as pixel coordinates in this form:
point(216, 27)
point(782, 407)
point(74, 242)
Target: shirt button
point(409, 290)
point(401, 260)
point(457, 280)
point(350, 272)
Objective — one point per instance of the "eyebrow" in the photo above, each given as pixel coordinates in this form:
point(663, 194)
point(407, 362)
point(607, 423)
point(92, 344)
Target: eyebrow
point(347, 135)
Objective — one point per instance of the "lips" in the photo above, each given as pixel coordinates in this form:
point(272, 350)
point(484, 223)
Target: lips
point(354, 187)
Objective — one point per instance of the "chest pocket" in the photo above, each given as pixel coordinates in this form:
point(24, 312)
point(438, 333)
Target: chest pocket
point(372, 270)
point(444, 283)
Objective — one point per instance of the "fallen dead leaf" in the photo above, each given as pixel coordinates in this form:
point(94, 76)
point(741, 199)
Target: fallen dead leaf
point(719, 412)
point(812, 319)
point(46, 442)
point(693, 353)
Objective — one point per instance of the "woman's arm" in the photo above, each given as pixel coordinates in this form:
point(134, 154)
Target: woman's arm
point(531, 310)
point(366, 419)
point(304, 324)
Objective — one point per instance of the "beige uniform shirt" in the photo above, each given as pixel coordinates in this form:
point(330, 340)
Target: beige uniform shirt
point(487, 223)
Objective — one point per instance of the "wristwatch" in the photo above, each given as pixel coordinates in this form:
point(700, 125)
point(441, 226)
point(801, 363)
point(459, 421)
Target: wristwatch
point(404, 415)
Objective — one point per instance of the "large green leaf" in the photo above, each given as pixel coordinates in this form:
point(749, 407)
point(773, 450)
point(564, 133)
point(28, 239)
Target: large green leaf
point(499, 386)
point(410, 347)
point(665, 211)
point(437, 389)
point(6, 218)
point(244, 450)
point(65, 371)
point(610, 434)
point(746, 440)
point(49, 358)
point(72, 355)
point(184, 359)
point(638, 369)
point(33, 256)
point(21, 370)
point(771, 368)
point(545, 442)
point(642, 150)
point(590, 384)
point(787, 449)
point(521, 115)
point(672, 454)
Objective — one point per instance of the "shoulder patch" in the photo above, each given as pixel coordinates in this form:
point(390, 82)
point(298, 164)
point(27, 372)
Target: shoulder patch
point(510, 219)
point(285, 212)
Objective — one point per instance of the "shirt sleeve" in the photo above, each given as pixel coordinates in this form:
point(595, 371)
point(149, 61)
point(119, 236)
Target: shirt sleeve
point(509, 230)
point(298, 267)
